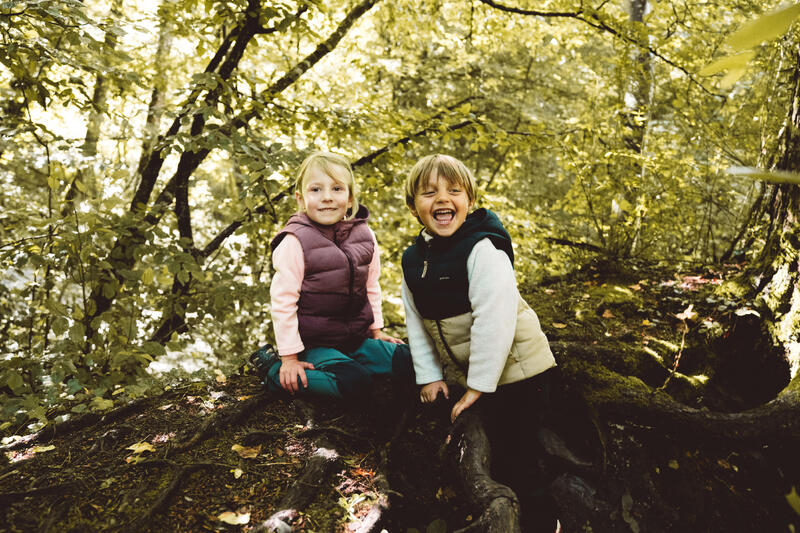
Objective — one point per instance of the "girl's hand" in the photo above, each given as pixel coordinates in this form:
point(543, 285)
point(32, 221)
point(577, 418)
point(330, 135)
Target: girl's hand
point(430, 391)
point(291, 369)
point(470, 397)
point(381, 336)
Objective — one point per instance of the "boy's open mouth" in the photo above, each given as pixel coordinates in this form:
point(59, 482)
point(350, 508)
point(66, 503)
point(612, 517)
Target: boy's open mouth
point(444, 216)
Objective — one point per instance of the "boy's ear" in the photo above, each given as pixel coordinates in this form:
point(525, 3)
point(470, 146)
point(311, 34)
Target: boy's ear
point(301, 206)
point(413, 211)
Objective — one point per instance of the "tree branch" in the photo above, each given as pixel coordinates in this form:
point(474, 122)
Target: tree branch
point(594, 21)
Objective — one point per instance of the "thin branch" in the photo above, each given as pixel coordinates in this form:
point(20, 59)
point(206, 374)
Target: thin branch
point(594, 21)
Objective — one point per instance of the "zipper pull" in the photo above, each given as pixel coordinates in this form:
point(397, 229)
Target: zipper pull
point(424, 268)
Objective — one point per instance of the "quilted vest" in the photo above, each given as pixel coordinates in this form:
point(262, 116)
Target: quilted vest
point(333, 309)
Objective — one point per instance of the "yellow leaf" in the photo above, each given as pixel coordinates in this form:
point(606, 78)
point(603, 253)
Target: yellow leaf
point(147, 276)
point(559, 325)
point(220, 377)
point(237, 472)
point(234, 518)
point(608, 314)
point(673, 464)
point(646, 322)
point(688, 314)
point(246, 453)
point(40, 449)
point(794, 500)
point(141, 447)
point(764, 28)
point(735, 62)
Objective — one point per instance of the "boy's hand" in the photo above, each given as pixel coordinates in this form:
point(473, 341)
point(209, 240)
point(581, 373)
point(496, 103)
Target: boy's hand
point(470, 397)
point(381, 336)
point(291, 369)
point(430, 391)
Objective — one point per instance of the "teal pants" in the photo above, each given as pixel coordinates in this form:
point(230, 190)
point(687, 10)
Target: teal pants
point(342, 375)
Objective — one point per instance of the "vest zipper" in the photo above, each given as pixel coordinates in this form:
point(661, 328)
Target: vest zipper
point(447, 348)
point(424, 268)
point(352, 274)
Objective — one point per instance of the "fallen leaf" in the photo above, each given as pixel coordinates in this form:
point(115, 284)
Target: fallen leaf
point(636, 287)
point(673, 464)
point(141, 447)
point(794, 500)
point(165, 407)
point(688, 314)
point(646, 322)
point(363, 472)
point(608, 314)
point(559, 325)
point(245, 452)
point(221, 379)
point(279, 452)
point(237, 472)
point(234, 518)
point(40, 449)
point(134, 459)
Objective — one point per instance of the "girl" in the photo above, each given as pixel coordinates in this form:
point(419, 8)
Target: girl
point(326, 300)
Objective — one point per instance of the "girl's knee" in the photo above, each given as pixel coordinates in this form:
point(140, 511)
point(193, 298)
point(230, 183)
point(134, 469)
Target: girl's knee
point(352, 379)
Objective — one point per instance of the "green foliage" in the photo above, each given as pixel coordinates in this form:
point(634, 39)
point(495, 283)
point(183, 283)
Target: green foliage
point(96, 292)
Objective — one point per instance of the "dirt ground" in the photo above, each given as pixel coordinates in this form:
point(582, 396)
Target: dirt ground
point(222, 456)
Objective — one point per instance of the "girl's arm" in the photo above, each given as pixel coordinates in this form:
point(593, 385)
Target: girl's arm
point(494, 298)
point(374, 296)
point(374, 287)
point(427, 367)
point(287, 258)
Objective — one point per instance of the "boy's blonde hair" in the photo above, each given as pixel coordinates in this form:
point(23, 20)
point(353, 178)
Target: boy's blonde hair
point(327, 162)
point(445, 166)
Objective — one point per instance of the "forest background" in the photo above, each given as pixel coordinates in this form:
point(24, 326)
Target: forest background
point(148, 150)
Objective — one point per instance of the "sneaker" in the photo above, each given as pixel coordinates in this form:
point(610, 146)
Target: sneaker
point(263, 359)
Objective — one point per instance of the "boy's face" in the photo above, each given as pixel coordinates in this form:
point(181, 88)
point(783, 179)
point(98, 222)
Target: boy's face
point(324, 199)
point(442, 206)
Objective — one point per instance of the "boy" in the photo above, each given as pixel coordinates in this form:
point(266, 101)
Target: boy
point(464, 313)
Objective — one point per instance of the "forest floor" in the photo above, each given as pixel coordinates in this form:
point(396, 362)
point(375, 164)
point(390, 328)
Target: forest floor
point(222, 456)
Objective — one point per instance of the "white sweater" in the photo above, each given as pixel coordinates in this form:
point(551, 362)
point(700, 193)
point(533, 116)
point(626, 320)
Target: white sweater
point(493, 295)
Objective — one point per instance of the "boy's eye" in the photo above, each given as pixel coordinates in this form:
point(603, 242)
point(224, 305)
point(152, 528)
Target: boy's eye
point(426, 193)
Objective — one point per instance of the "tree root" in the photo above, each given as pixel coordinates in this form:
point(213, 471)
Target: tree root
point(627, 398)
point(224, 418)
point(39, 491)
point(323, 462)
point(469, 451)
point(181, 472)
point(49, 432)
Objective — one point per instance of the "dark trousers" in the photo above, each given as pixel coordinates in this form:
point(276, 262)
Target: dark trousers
point(512, 416)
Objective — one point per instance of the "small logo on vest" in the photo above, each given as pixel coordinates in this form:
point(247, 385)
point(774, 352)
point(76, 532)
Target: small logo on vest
point(443, 278)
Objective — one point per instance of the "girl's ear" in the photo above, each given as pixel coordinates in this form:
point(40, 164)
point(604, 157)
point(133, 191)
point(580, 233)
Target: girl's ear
point(301, 205)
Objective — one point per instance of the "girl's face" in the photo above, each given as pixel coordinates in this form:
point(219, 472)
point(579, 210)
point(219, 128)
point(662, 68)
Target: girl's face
point(324, 199)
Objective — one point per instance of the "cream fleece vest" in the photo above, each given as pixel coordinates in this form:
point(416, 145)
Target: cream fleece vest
point(530, 353)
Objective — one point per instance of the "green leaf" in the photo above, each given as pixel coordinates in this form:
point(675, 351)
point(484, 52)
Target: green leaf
point(764, 28)
point(77, 333)
point(773, 176)
point(14, 380)
point(147, 276)
point(153, 348)
point(60, 325)
point(794, 500)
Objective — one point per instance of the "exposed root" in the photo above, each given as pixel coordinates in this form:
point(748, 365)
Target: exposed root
point(39, 491)
point(223, 418)
point(182, 471)
point(469, 451)
point(49, 432)
point(627, 398)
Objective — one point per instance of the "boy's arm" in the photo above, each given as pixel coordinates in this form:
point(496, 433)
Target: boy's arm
point(423, 352)
point(287, 258)
point(494, 298)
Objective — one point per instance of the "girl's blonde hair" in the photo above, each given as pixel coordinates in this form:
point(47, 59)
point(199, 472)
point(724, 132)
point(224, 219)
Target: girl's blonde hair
point(328, 162)
point(445, 166)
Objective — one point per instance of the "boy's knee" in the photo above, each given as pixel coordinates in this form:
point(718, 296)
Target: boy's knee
point(353, 379)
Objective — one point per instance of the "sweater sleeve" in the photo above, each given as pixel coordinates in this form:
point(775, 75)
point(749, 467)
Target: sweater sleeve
point(427, 366)
point(289, 263)
point(493, 295)
point(374, 287)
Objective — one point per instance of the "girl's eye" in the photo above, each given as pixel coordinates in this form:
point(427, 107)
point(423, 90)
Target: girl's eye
point(455, 191)
point(314, 189)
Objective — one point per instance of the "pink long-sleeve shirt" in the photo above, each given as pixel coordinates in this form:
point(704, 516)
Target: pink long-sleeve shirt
point(289, 263)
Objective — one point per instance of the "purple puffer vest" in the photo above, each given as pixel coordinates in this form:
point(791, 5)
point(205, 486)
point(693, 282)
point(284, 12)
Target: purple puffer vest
point(333, 309)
